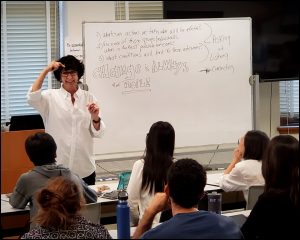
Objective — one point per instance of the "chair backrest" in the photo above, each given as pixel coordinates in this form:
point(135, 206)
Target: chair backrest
point(253, 194)
point(92, 212)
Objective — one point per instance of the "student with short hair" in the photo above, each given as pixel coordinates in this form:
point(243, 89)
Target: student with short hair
point(276, 213)
point(59, 214)
point(245, 168)
point(41, 150)
point(149, 174)
point(185, 187)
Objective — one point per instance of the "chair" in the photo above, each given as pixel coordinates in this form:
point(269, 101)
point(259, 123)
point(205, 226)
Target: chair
point(253, 194)
point(92, 212)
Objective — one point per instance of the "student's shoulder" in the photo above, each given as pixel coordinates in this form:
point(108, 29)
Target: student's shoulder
point(25, 176)
point(26, 179)
point(139, 163)
point(158, 231)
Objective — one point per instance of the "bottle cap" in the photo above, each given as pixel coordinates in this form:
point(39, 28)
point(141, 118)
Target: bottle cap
point(122, 195)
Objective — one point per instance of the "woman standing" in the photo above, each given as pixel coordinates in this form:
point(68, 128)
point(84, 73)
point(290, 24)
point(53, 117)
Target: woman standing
point(70, 115)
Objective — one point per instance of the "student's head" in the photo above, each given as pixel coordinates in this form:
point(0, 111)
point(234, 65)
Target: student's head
point(59, 201)
point(73, 68)
point(41, 148)
point(253, 144)
point(160, 139)
point(158, 155)
point(280, 167)
point(186, 181)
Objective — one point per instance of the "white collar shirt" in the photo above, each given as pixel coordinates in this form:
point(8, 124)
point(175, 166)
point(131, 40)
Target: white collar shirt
point(70, 125)
point(245, 173)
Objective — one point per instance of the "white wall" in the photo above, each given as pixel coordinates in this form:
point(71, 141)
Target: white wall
point(75, 12)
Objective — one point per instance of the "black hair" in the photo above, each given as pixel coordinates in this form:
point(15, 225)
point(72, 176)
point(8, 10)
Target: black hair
point(158, 155)
point(41, 148)
point(280, 167)
point(255, 143)
point(71, 63)
point(186, 181)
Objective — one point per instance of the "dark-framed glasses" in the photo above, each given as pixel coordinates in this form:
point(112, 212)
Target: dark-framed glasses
point(66, 73)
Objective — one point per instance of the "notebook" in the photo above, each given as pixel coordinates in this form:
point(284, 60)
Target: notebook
point(122, 185)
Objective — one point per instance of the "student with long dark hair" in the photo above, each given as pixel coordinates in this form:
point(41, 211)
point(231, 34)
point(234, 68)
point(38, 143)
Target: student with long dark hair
point(149, 174)
point(245, 168)
point(276, 213)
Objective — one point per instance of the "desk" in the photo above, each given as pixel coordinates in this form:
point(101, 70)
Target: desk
point(212, 184)
point(246, 213)
point(108, 206)
point(7, 209)
point(13, 221)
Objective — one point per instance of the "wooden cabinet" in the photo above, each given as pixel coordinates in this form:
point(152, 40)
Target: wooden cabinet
point(14, 160)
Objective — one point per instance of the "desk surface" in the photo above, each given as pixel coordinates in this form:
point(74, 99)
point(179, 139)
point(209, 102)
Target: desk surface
point(7, 209)
point(212, 184)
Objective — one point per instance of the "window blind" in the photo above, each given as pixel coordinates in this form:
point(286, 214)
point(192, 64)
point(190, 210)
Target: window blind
point(289, 102)
point(25, 32)
point(139, 10)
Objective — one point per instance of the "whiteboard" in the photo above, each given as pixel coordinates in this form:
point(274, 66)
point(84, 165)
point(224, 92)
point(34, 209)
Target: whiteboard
point(191, 73)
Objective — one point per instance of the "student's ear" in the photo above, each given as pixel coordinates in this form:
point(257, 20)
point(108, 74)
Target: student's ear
point(167, 190)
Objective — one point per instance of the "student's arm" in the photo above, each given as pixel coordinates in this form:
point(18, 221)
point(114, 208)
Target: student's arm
point(97, 128)
point(235, 180)
point(134, 191)
point(19, 198)
point(37, 85)
point(158, 204)
point(237, 156)
point(90, 195)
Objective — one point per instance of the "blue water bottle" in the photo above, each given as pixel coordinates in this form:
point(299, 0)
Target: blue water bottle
point(123, 217)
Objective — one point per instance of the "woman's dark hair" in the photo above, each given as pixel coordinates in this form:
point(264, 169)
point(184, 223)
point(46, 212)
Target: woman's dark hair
point(280, 167)
point(186, 181)
point(255, 143)
point(71, 63)
point(158, 155)
point(60, 201)
point(41, 148)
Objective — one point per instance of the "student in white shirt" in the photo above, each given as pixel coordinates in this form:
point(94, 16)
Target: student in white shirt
point(149, 174)
point(245, 167)
point(70, 115)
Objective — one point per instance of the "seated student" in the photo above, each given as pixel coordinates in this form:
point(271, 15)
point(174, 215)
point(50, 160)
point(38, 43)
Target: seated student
point(245, 168)
point(41, 150)
point(59, 213)
point(276, 212)
point(149, 174)
point(185, 187)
